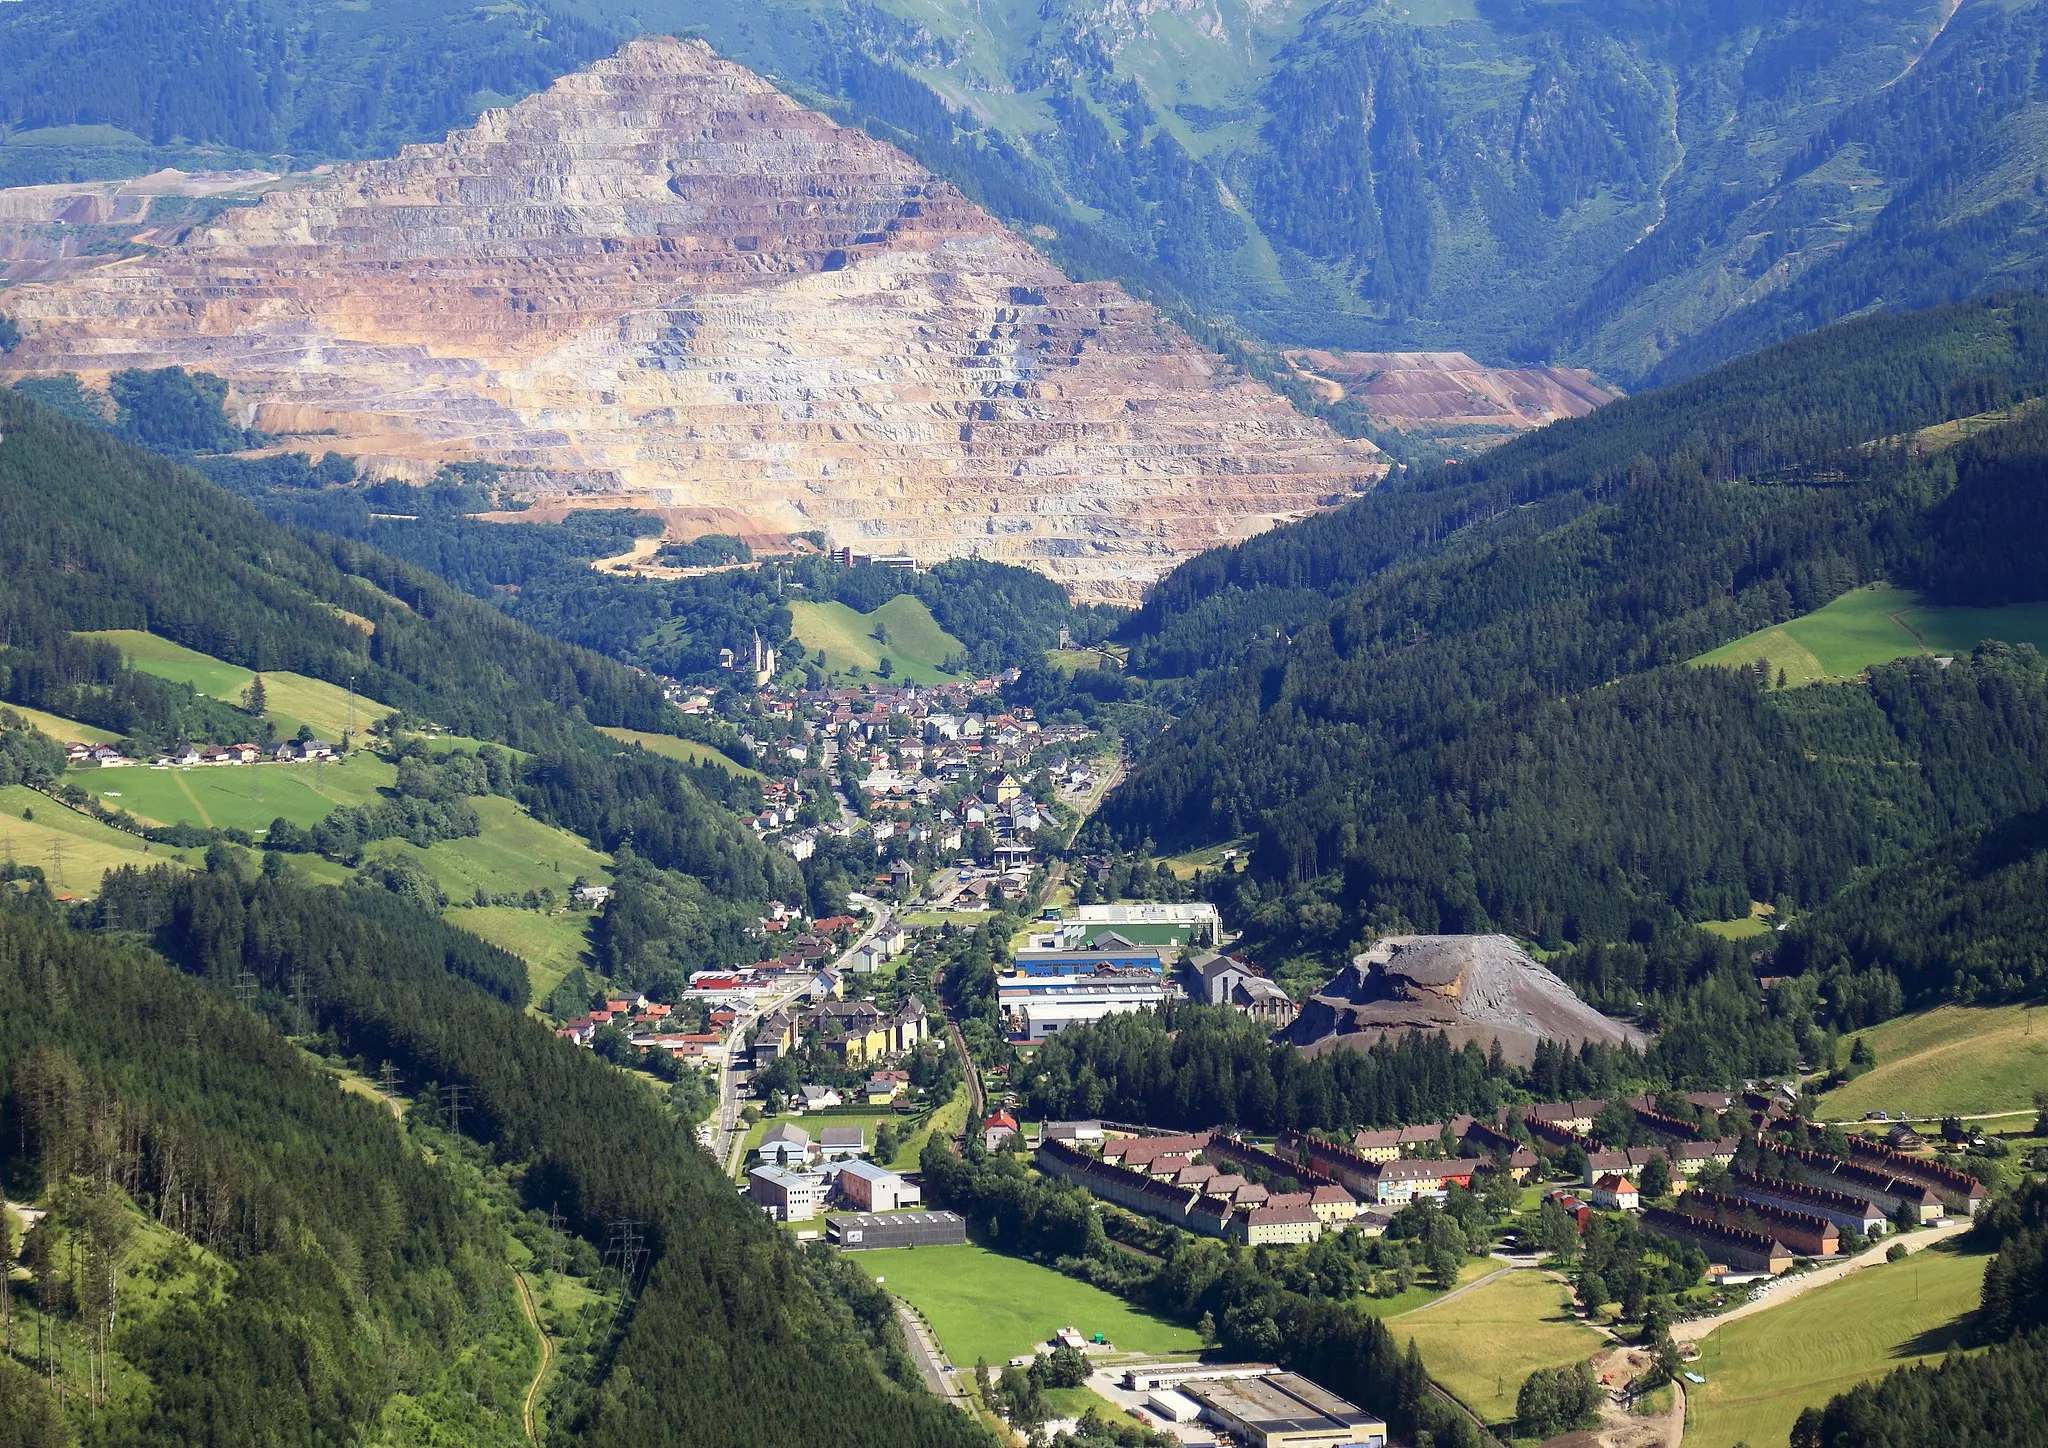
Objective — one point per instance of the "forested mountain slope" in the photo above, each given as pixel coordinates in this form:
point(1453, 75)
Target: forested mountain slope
point(1481, 716)
point(98, 534)
point(1644, 188)
point(351, 1269)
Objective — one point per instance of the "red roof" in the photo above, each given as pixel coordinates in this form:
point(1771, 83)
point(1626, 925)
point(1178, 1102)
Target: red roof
point(1001, 1118)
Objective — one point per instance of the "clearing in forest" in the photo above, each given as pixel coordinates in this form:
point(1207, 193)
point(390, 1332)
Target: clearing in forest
point(1950, 1061)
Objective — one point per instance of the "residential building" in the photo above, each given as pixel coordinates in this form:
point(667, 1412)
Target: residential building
point(1959, 1191)
point(1733, 1247)
point(876, 1189)
point(817, 1098)
point(1804, 1232)
point(789, 1196)
point(997, 1129)
point(1259, 1226)
point(1891, 1194)
point(1845, 1210)
point(1615, 1194)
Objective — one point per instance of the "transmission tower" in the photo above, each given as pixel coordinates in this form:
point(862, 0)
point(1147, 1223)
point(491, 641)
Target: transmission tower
point(387, 1081)
point(57, 863)
point(245, 987)
point(625, 1249)
point(304, 999)
point(557, 1243)
point(451, 1096)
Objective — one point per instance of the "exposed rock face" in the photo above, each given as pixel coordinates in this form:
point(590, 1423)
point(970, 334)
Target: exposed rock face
point(1477, 988)
point(1429, 391)
point(663, 279)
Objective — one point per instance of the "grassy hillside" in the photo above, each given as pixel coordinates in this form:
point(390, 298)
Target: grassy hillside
point(916, 646)
point(1482, 1346)
point(1874, 625)
point(684, 751)
point(515, 852)
point(64, 731)
point(292, 699)
point(551, 945)
point(1960, 1060)
point(1763, 1370)
point(86, 848)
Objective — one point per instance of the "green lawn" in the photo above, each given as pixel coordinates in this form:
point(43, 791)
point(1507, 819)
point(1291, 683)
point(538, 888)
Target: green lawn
point(1749, 927)
point(551, 945)
point(72, 850)
point(1962, 1060)
point(290, 699)
point(1762, 1370)
point(1484, 1345)
point(515, 852)
point(1872, 626)
point(916, 645)
point(688, 751)
point(246, 797)
point(986, 1306)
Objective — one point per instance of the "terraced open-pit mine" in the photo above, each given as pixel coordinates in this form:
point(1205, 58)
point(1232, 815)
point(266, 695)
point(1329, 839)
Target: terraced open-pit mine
point(661, 280)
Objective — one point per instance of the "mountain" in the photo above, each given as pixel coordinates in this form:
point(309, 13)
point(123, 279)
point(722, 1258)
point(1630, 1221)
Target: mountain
point(1645, 189)
point(663, 281)
point(1466, 704)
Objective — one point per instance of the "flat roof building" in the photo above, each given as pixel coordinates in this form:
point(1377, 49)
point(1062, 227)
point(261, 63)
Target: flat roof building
point(861, 1231)
point(1285, 1410)
point(876, 1189)
point(791, 1196)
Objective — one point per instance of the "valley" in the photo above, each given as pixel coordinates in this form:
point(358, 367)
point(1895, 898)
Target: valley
point(1091, 726)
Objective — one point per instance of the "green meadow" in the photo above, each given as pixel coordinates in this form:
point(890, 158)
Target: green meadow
point(1875, 625)
point(1762, 1370)
point(290, 699)
point(916, 647)
point(1952, 1060)
point(243, 797)
point(685, 751)
point(72, 849)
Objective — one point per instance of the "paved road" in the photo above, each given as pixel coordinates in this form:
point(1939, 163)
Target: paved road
point(726, 1137)
point(1784, 1289)
point(931, 1361)
point(1457, 1292)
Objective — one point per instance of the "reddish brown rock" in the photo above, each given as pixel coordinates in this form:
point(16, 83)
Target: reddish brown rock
point(1429, 391)
point(661, 279)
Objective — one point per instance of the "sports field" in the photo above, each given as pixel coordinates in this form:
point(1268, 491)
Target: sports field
point(1960, 1060)
point(916, 646)
point(1762, 1370)
point(244, 797)
point(1483, 1346)
point(687, 751)
point(986, 1306)
point(290, 699)
point(72, 850)
point(1873, 625)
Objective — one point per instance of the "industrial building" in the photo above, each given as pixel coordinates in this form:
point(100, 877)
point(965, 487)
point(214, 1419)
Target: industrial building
point(1284, 1410)
point(1040, 1006)
point(863, 1231)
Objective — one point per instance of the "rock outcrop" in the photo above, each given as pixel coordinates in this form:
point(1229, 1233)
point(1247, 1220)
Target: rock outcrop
point(1473, 988)
point(1438, 392)
point(662, 279)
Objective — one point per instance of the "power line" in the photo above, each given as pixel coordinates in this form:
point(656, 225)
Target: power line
point(452, 1097)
